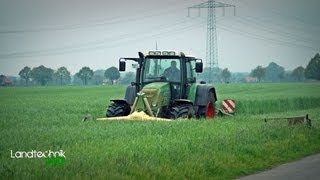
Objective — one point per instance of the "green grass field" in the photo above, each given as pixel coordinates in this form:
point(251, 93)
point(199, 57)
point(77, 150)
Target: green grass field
point(49, 118)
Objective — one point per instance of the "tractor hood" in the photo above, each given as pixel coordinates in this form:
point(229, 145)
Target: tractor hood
point(158, 94)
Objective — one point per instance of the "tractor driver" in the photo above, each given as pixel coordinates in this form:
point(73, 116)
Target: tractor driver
point(172, 73)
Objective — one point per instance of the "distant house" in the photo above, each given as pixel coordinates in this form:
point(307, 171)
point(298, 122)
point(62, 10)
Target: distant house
point(5, 81)
point(251, 79)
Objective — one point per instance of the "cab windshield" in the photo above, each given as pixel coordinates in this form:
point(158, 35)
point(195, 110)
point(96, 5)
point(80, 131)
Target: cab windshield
point(156, 69)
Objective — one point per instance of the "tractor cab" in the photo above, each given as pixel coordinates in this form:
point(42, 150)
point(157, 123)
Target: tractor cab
point(169, 66)
point(172, 67)
point(159, 69)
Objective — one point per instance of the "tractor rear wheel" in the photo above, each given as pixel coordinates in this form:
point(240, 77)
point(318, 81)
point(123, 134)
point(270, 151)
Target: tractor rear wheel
point(118, 109)
point(181, 111)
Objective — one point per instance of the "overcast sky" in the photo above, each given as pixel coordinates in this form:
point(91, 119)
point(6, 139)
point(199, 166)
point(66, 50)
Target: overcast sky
point(95, 33)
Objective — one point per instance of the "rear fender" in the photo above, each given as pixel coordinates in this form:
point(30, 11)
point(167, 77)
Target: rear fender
point(202, 95)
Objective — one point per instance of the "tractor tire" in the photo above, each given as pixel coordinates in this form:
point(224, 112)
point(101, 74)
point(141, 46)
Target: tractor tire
point(202, 111)
point(181, 111)
point(118, 109)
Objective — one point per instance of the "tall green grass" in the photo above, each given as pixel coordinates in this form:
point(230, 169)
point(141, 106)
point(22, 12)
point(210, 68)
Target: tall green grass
point(276, 105)
point(270, 97)
point(43, 118)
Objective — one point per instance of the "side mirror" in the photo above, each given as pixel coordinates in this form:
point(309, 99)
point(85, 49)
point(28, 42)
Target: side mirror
point(199, 66)
point(122, 65)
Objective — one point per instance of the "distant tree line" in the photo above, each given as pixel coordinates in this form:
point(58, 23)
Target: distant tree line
point(272, 73)
point(275, 73)
point(42, 75)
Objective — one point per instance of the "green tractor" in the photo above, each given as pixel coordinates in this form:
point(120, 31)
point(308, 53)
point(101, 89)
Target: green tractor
point(165, 87)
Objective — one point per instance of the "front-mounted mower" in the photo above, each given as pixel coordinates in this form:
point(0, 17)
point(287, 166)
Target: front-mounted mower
point(161, 97)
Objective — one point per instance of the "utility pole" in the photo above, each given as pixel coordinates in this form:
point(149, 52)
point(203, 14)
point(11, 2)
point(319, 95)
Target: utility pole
point(211, 48)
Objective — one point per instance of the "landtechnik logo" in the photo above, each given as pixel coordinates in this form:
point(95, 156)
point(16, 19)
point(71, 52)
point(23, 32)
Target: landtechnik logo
point(52, 158)
point(37, 154)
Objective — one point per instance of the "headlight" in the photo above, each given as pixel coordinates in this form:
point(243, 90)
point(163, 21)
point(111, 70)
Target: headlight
point(154, 53)
point(168, 53)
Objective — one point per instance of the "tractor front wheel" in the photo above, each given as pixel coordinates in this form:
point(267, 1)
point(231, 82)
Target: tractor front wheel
point(181, 111)
point(118, 109)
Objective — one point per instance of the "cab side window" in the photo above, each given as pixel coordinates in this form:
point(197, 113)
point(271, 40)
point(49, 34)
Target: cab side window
point(190, 71)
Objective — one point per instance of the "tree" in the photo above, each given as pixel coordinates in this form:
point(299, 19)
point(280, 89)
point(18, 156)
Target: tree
point(226, 74)
point(76, 80)
point(312, 70)
point(128, 78)
point(98, 77)
point(287, 77)
point(42, 74)
point(112, 74)
point(259, 72)
point(274, 72)
point(25, 74)
point(238, 77)
point(85, 73)
point(63, 75)
point(298, 74)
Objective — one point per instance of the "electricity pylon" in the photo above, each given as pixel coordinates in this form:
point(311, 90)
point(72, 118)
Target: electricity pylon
point(211, 48)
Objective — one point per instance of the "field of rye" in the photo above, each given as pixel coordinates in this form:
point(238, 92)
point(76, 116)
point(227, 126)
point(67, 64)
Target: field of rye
point(49, 118)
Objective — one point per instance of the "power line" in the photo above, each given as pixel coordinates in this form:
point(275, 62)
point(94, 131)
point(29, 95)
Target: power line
point(97, 42)
point(281, 25)
point(111, 21)
point(241, 32)
point(282, 15)
point(279, 28)
point(256, 26)
point(116, 43)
